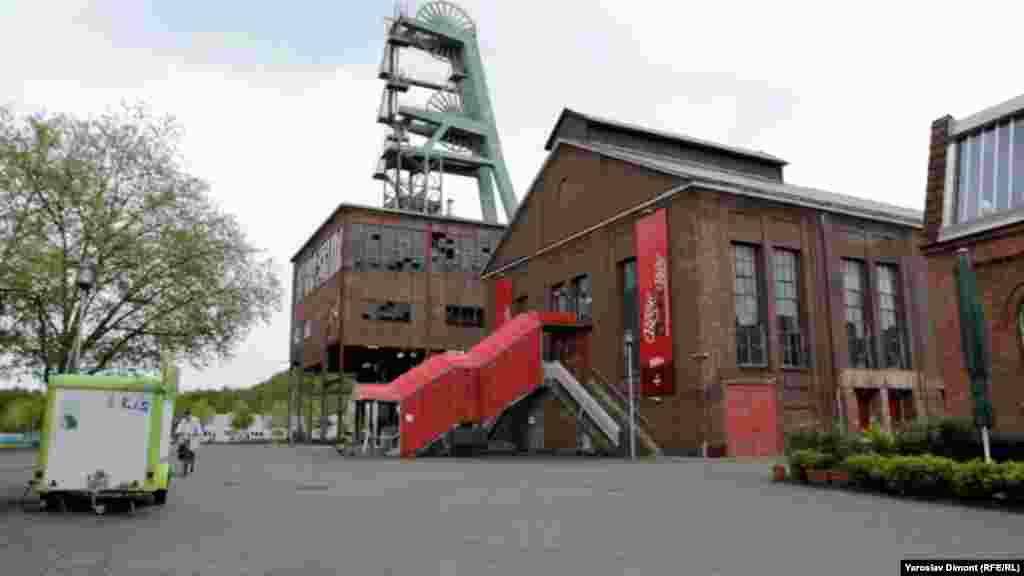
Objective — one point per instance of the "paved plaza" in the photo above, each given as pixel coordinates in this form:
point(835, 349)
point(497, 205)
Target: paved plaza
point(306, 510)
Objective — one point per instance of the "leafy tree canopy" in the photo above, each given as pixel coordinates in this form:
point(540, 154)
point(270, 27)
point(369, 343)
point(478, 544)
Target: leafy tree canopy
point(173, 272)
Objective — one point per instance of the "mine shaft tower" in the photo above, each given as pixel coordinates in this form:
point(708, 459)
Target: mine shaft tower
point(457, 122)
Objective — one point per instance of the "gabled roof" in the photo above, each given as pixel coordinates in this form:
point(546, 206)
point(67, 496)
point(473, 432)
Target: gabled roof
point(733, 183)
point(661, 135)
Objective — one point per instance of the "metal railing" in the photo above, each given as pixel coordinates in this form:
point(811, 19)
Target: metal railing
point(620, 395)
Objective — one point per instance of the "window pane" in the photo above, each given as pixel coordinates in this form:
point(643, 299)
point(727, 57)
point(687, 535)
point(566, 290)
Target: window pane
point(1002, 183)
point(1018, 163)
point(988, 155)
point(964, 183)
point(974, 187)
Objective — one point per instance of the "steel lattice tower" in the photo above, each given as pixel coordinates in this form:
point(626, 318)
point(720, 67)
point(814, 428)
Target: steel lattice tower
point(457, 122)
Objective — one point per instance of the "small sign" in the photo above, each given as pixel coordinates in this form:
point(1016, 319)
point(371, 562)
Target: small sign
point(409, 418)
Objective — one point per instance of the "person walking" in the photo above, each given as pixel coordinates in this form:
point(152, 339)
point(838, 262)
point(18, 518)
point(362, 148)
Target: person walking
point(189, 433)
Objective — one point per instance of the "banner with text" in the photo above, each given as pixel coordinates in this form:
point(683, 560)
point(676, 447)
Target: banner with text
point(656, 371)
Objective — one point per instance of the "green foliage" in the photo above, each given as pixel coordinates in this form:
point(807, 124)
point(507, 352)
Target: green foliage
point(242, 416)
point(938, 477)
point(23, 414)
point(879, 440)
point(202, 410)
point(174, 274)
point(279, 415)
point(811, 460)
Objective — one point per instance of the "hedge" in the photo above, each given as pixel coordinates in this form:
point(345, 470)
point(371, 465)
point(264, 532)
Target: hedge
point(932, 476)
point(953, 438)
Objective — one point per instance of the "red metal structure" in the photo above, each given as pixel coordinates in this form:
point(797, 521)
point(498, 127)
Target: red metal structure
point(454, 389)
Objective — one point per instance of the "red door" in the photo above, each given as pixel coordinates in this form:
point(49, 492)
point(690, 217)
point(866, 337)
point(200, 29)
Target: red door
point(752, 421)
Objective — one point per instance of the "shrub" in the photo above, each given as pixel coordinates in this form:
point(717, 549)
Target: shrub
point(936, 476)
point(811, 460)
point(880, 440)
point(806, 439)
point(915, 439)
point(976, 480)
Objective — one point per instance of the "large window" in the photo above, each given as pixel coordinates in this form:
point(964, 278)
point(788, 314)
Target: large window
point(856, 325)
point(787, 307)
point(990, 170)
point(630, 310)
point(583, 296)
point(893, 352)
point(750, 333)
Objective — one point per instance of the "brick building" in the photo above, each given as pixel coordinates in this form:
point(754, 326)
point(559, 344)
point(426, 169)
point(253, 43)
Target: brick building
point(376, 290)
point(767, 306)
point(975, 201)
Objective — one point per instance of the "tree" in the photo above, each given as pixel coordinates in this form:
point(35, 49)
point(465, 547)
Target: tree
point(202, 410)
point(25, 414)
point(279, 416)
point(242, 417)
point(173, 273)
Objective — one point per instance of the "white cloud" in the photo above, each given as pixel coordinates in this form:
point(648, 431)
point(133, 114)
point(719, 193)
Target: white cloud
point(845, 92)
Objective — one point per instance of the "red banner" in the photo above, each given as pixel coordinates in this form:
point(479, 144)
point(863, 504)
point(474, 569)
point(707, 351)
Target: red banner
point(502, 301)
point(655, 340)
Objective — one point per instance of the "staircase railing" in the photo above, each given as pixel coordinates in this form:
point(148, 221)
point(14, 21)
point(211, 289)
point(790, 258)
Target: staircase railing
point(619, 395)
point(586, 401)
point(618, 403)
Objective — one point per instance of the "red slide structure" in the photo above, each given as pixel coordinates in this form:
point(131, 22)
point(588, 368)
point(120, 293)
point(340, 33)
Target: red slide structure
point(453, 390)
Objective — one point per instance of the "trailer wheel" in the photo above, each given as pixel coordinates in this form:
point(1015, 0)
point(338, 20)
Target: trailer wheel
point(160, 497)
point(99, 509)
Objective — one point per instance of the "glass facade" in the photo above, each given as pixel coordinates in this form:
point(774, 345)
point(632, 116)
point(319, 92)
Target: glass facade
point(990, 171)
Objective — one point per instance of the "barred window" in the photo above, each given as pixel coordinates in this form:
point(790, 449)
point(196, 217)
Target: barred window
point(893, 354)
point(856, 332)
point(750, 333)
point(787, 307)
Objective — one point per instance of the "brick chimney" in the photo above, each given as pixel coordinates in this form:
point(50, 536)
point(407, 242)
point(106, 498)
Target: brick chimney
point(936, 183)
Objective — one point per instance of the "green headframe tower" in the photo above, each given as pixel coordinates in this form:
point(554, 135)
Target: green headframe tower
point(454, 132)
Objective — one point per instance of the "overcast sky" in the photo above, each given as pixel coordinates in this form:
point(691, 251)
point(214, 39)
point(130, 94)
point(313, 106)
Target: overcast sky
point(279, 99)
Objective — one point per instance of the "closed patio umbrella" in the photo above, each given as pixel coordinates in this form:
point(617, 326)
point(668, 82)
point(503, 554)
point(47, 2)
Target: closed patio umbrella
point(974, 339)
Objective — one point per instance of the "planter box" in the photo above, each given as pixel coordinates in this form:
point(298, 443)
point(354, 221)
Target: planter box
point(839, 477)
point(818, 476)
point(779, 473)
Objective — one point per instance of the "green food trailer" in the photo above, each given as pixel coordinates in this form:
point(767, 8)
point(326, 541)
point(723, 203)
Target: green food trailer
point(107, 437)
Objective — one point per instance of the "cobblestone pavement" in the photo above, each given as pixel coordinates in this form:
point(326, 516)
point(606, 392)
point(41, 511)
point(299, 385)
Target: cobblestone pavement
point(283, 511)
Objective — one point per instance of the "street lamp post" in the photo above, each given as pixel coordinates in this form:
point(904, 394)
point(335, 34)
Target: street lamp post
point(86, 280)
point(632, 396)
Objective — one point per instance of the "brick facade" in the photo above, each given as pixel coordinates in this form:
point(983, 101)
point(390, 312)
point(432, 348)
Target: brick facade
point(999, 264)
point(998, 256)
point(936, 177)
